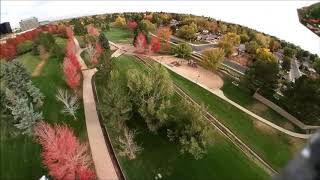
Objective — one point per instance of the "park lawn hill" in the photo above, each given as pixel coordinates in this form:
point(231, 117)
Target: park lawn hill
point(119, 35)
point(160, 156)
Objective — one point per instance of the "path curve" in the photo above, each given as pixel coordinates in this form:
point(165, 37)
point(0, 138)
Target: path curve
point(104, 167)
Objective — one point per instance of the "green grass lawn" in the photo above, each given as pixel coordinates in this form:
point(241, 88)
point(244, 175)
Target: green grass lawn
point(20, 156)
point(272, 146)
point(118, 35)
point(29, 61)
point(242, 96)
point(162, 156)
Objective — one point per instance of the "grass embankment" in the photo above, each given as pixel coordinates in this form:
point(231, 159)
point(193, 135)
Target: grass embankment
point(161, 156)
point(242, 96)
point(20, 156)
point(119, 35)
point(273, 146)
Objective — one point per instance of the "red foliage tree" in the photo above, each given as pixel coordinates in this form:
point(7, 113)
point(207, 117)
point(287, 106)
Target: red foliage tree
point(69, 32)
point(74, 60)
point(70, 47)
point(132, 25)
point(63, 154)
point(71, 73)
point(98, 48)
point(155, 44)
point(164, 33)
point(92, 30)
point(141, 42)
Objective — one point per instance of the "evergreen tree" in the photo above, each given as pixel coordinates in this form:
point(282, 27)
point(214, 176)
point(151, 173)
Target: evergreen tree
point(104, 41)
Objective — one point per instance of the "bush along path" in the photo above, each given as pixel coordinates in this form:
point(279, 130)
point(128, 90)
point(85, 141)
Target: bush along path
point(100, 152)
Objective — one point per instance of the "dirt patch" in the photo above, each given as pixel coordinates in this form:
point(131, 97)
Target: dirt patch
point(37, 71)
point(197, 74)
point(263, 127)
point(259, 107)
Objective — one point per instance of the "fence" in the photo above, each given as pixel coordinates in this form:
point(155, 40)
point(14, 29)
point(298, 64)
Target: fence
point(294, 120)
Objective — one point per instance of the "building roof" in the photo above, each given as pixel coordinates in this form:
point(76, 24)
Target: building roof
point(29, 19)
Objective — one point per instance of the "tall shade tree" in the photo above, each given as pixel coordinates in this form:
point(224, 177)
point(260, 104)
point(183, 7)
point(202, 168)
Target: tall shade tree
point(190, 129)
point(316, 65)
point(212, 58)
point(164, 34)
point(265, 55)
point(251, 47)
point(303, 97)
point(228, 43)
point(146, 26)
point(79, 29)
point(182, 50)
point(287, 51)
point(262, 74)
point(188, 32)
point(286, 63)
point(62, 153)
point(151, 95)
point(274, 45)
point(262, 40)
point(116, 101)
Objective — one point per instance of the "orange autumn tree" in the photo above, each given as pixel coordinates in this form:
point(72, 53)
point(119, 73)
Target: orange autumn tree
point(62, 153)
point(164, 34)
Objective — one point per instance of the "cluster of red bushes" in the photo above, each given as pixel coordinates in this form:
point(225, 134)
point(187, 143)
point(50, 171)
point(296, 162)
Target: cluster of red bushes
point(8, 49)
point(142, 45)
point(71, 65)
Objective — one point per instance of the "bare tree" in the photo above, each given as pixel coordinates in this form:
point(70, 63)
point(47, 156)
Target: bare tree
point(128, 147)
point(70, 102)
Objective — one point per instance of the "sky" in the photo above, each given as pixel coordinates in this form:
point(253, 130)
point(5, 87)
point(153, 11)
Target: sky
point(277, 18)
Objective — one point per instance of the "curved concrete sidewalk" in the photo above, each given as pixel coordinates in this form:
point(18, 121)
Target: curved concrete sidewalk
point(104, 167)
point(220, 94)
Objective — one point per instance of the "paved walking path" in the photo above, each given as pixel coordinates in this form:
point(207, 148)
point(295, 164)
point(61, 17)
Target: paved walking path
point(220, 94)
point(104, 167)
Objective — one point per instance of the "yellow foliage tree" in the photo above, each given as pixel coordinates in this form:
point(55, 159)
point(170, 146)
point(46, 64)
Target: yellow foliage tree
point(120, 21)
point(265, 55)
point(228, 42)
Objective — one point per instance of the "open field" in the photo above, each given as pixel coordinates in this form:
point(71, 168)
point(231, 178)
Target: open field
point(162, 156)
point(118, 35)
